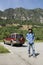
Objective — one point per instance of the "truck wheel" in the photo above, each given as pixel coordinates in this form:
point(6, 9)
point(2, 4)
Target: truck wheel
point(11, 43)
point(20, 44)
point(4, 42)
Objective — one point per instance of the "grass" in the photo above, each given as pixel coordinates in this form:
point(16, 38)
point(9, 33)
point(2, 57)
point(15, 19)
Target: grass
point(1, 40)
point(3, 49)
point(38, 40)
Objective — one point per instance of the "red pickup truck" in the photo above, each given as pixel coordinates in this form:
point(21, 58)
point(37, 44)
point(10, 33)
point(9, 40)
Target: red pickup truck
point(14, 38)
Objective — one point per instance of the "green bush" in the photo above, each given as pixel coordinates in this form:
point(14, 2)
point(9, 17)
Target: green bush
point(37, 38)
point(6, 31)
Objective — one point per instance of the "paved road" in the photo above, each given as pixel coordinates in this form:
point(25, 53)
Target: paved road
point(19, 55)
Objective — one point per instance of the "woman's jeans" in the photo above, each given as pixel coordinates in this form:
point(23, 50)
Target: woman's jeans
point(29, 48)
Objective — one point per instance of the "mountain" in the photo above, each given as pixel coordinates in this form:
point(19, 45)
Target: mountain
point(34, 15)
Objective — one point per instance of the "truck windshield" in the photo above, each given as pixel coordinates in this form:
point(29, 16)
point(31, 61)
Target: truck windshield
point(12, 36)
point(19, 36)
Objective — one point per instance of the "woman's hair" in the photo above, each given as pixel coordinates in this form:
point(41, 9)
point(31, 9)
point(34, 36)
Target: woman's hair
point(31, 30)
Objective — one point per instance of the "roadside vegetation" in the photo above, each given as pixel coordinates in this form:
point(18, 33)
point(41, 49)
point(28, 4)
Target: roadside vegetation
point(8, 26)
point(6, 31)
point(3, 49)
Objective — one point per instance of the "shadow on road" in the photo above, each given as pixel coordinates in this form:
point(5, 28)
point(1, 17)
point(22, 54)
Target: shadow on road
point(20, 45)
point(17, 45)
point(36, 54)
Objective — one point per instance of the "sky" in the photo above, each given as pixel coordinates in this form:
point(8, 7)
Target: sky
point(28, 4)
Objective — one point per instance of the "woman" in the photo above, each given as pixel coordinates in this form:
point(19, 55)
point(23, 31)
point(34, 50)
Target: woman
point(30, 39)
